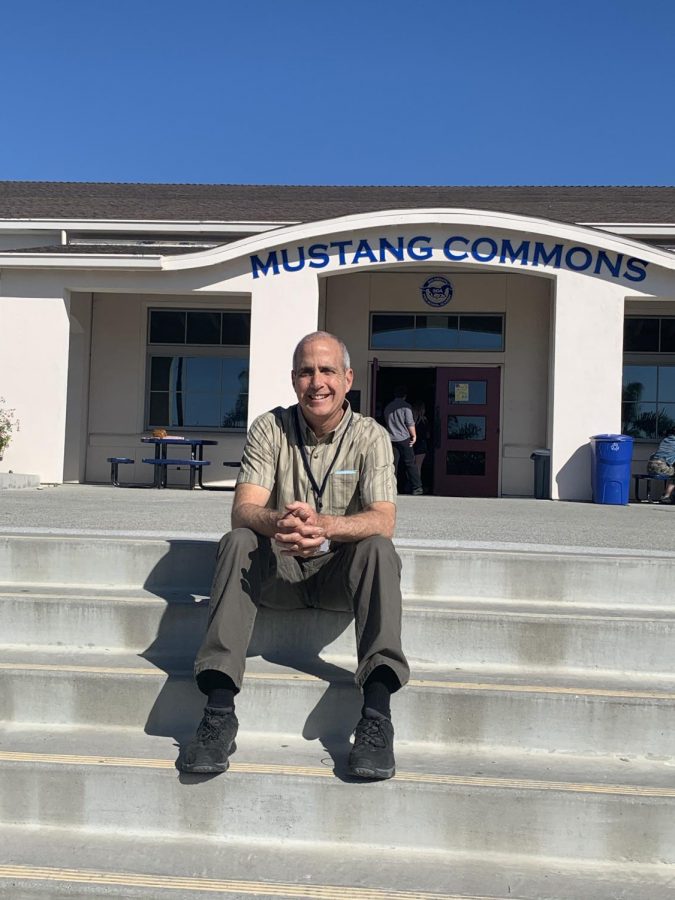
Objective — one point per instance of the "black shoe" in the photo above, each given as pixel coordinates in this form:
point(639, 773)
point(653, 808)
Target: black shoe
point(372, 755)
point(211, 746)
point(418, 492)
point(666, 500)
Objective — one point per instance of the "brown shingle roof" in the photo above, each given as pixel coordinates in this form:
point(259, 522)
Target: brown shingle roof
point(292, 203)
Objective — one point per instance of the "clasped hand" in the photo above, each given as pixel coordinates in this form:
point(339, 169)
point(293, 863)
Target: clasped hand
point(300, 530)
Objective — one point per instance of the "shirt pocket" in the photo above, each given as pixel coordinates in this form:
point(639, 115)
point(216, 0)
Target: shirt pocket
point(344, 489)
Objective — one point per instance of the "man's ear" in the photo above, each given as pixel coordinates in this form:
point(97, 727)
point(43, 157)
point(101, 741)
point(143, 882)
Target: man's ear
point(349, 378)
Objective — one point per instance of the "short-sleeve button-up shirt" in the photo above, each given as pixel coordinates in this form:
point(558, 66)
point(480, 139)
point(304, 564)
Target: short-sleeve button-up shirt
point(363, 471)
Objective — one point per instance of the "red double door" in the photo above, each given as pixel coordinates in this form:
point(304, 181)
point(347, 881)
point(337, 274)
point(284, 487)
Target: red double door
point(466, 455)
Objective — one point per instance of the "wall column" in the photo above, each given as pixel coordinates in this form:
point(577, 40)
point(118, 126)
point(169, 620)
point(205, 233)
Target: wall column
point(586, 362)
point(282, 311)
point(34, 338)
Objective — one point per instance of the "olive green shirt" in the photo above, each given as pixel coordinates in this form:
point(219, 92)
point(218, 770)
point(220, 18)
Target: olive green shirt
point(363, 472)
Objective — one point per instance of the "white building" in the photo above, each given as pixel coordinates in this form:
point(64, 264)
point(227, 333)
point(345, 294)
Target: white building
point(520, 316)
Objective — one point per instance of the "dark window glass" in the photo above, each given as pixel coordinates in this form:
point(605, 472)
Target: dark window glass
point(461, 462)
point(234, 406)
point(393, 332)
point(167, 326)
point(203, 327)
point(159, 409)
point(666, 419)
point(639, 383)
point(160, 371)
point(481, 332)
point(666, 384)
point(466, 428)
point(198, 391)
point(354, 398)
point(236, 328)
point(202, 374)
point(641, 335)
point(436, 333)
point(667, 335)
point(201, 410)
point(640, 420)
point(467, 392)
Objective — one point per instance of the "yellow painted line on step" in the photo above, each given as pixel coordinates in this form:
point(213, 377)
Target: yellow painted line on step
point(542, 689)
point(215, 886)
point(476, 781)
point(414, 682)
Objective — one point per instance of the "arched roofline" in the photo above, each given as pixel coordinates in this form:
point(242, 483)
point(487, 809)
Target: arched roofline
point(296, 234)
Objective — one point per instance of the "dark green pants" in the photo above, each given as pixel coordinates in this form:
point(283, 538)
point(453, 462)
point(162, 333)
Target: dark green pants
point(362, 578)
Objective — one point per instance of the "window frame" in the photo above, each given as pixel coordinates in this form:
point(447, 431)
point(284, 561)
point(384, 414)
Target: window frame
point(648, 359)
point(210, 351)
point(430, 315)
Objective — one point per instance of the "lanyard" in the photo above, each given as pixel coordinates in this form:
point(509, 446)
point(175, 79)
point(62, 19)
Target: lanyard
point(316, 490)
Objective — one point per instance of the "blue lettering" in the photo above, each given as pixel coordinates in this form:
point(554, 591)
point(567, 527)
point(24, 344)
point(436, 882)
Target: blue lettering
point(342, 246)
point(546, 257)
point(387, 247)
point(476, 244)
point(257, 265)
point(448, 245)
point(423, 252)
point(638, 268)
point(578, 267)
point(604, 259)
point(363, 250)
point(507, 250)
point(319, 256)
point(300, 264)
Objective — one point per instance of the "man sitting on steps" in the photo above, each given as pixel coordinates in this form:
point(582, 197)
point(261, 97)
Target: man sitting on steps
point(313, 517)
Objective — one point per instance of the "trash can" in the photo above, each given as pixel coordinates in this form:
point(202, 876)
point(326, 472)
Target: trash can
point(612, 455)
point(542, 474)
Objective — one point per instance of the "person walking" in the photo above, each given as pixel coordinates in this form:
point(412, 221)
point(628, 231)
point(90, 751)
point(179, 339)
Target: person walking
point(400, 424)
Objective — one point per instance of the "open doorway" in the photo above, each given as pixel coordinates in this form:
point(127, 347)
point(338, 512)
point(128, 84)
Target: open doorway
point(420, 385)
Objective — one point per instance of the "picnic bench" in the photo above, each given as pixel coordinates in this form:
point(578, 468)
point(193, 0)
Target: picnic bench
point(638, 479)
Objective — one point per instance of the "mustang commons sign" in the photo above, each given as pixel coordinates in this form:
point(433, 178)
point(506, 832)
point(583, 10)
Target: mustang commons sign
point(457, 248)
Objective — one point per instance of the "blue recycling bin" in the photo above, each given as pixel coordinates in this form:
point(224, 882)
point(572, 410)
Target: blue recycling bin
point(612, 455)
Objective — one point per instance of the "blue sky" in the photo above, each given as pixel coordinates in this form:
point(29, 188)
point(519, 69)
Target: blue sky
point(313, 92)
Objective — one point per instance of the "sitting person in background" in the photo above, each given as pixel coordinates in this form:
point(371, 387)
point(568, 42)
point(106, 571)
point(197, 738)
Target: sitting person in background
point(663, 463)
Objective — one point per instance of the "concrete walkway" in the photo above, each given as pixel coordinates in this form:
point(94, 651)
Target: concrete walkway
point(102, 509)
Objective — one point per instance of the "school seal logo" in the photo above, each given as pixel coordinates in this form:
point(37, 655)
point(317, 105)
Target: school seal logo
point(437, 291)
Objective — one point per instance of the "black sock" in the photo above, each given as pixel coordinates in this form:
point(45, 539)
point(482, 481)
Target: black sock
point(219, 688)
point(377, 690)
point(220, 698)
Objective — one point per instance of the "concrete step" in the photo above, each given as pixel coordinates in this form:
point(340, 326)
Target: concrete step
point(79, 865)
point(431, 570)
point(486, 709)
point(467, 634)
point(288, 787)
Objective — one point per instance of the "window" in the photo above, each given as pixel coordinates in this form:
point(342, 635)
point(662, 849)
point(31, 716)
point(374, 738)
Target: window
point(648, 391)
point(198, 368)
point(389, 331)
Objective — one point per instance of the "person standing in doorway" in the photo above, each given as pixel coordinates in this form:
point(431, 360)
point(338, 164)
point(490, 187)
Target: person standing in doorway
point(400, 423)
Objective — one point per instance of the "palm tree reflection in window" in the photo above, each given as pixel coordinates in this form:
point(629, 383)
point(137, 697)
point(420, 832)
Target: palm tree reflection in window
point(237, 416)
point(466, 428)
point(641, 419)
